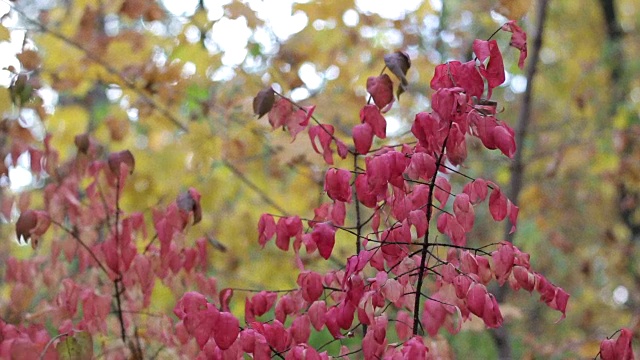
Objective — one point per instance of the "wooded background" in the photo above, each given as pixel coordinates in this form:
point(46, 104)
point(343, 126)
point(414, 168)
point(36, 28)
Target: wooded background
point(175, 87)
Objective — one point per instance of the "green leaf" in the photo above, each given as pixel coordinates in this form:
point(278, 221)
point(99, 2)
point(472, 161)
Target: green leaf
point(77, 347)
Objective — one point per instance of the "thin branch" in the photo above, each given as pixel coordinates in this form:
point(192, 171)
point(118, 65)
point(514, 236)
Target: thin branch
point(82, 243)
point(425, 246)
point(253, 187)
point(130, 84)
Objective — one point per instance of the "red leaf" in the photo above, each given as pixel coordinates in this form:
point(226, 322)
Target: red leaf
point(225, 298)
point(266, 229)
point(477, 190)
point(324, 235)
point(503, 138)
point(498, 204)
point(513, 216)
point(464, 211)
point(280, 112)
point(371, 115)
point(464, 75)
point(503, 261)
point(317, 312)
point(422, 166)
point(494, 70)
point(226, 330)
point(476, 298)
point(337, 186)
point(301, 329)
point(442, 190)
point(492, 316)
point(285, 229)
point(518, 40)
point(381, 89)
point(324, 133)
point(311, 285)
point(362, 138)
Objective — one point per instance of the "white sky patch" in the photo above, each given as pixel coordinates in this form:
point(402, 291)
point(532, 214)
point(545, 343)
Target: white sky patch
point(350, 18)
point(299, 94)
point(394, 125)
point(19, 175)
point(620, 295)
point(309, 75)
point(332, 72)
point(394, 10)
point(518, 84)
point(436, 5)
point(181, 7)
point(279, 17)
point(231, 36)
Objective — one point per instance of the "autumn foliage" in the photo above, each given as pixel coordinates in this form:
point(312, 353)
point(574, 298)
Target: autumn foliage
point(408, 209)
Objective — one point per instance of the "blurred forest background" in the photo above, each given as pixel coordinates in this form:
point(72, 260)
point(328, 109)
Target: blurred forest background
point(173, 82)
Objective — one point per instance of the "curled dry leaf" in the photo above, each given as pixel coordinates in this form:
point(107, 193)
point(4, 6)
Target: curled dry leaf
point(82, 142)
point(122, 157)
point(263, 102)
point(399, 63)
point(31, 225)
point(189, 201)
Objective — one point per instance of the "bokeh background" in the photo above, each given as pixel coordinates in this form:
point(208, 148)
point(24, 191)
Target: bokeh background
point(173, 82)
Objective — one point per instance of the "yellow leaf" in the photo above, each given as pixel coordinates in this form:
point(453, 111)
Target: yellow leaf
point(512, 9)
point(5, 35)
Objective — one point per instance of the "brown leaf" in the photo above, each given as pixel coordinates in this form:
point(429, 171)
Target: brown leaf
point(263, 102)
point(29, 59)
point(82, 142)
point(189, 201)
point(399, 63)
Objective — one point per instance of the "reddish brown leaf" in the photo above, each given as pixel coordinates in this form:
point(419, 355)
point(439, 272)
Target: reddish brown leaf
point(126, 157)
